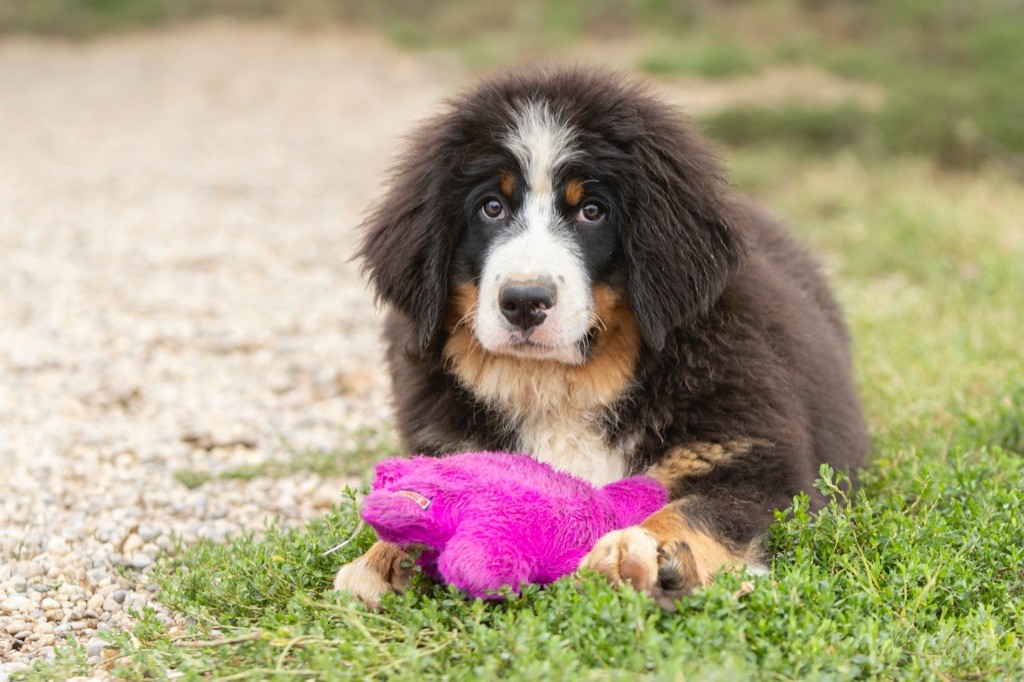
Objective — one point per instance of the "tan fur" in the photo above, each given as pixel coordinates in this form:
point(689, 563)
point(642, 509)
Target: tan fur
point(556, 406)
point(508, 183)
point(697, 459)
point(525, 384)
point(574, 192)
point(379, 571)
point(671, 530)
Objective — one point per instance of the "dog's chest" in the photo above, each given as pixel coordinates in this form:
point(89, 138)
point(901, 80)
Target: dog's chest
point(574, 443)
point(556, 413)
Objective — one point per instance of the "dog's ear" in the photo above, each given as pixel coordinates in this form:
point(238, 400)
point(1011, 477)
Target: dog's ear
point(679, 239)
point(409, 235)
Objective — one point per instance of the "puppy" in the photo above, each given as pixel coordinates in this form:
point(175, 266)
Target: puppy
point(569, 275)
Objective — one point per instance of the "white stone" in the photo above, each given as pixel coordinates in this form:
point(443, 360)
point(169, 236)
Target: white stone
point(132, 543)
point(57, 545)
point(15, 625)
point(17, 603)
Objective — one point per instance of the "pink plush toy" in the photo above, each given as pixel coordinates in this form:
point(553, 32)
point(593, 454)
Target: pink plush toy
point(486, 520)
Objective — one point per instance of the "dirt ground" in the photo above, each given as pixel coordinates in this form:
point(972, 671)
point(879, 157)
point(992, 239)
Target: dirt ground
point(177, 213)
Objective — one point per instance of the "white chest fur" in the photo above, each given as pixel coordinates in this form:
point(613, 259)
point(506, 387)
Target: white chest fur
point(555, 418)
point(572, 443)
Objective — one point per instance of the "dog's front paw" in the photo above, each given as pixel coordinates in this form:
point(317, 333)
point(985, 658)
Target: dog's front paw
point(384, 568)
point(634, 556)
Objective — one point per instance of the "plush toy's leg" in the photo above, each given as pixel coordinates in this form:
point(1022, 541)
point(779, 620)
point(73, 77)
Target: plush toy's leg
point(383, 568)
point(480, 560)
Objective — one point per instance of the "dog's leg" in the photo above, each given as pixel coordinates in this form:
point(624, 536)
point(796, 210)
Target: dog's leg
point(668, 555)
point(383, 568)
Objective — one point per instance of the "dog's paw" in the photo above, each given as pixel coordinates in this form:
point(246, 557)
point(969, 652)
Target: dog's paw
point(384, 568)
point(629, 556)
point(634, 556)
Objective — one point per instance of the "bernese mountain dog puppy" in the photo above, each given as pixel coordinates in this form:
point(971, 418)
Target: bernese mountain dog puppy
point(570, 276)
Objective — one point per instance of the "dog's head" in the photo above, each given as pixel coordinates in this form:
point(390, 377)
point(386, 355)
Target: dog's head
point(534, 191)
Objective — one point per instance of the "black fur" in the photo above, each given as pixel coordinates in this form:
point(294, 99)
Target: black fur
point(742, 340)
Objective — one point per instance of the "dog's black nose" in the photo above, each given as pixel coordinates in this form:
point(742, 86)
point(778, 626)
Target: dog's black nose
point(523, 303)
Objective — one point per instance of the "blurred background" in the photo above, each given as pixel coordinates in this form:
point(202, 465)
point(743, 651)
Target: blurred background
point(937, 77)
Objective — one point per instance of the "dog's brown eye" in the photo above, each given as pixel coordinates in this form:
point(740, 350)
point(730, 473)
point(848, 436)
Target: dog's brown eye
point(493, 209)
point(590, 212)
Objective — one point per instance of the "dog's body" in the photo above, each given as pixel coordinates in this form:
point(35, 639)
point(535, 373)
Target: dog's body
point(570, 278)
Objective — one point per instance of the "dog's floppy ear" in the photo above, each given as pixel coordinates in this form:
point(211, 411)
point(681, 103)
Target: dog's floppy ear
point(678, 235)
point(409, 235)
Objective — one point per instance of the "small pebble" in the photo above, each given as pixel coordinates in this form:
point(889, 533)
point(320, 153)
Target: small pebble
point(139, 560)
point(15, 625)
point(149, 532)
point(132, 543)
point(98, 574)
point(57, 545)
point(94, 647)
point(16, 603)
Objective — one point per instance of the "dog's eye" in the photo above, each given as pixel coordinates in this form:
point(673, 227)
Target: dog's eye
point(492, 209)
point(590, 212)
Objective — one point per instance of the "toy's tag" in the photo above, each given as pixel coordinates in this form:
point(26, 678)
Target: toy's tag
point(422, 501)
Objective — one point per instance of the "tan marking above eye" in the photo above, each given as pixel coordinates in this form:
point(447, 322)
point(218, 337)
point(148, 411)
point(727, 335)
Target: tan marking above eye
point(508, 183)
point(574, 192)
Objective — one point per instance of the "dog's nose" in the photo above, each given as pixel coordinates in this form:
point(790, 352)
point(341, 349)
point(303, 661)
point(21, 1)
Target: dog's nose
point(524, 303)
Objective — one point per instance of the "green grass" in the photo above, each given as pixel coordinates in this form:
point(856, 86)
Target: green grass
point(802, 129)
point(365, 447)
point(948, 70)
point(713, 60)
point(920, 576)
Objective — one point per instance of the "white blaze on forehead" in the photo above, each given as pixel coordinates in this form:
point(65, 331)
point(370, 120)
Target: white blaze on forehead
point(537, 245)
point(541, 142)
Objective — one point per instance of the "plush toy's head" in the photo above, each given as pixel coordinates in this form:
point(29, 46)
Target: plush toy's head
point(493, 519)
point(410, 500)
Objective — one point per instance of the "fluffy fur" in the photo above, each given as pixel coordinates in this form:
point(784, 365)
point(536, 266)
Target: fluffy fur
point(667, 326)
point(487, 520)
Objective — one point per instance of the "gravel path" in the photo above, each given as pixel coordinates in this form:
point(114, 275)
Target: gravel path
point(176, 215)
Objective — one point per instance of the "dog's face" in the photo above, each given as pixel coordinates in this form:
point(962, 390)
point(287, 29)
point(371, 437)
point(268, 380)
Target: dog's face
point(536, 198)
point(541, 230)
